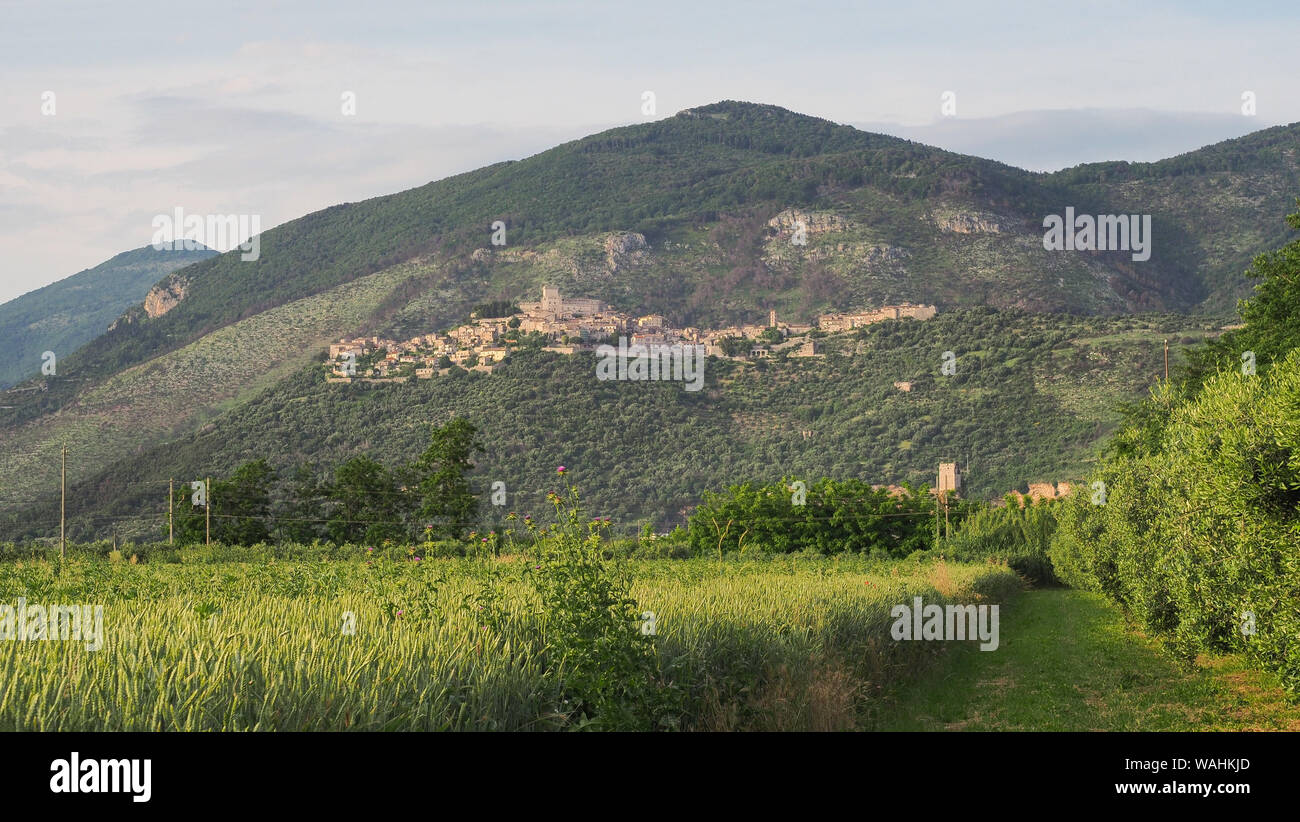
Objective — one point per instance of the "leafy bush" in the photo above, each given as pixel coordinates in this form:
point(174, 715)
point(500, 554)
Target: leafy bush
point(1199, 536)
point(828, 517)
point(1019, 536)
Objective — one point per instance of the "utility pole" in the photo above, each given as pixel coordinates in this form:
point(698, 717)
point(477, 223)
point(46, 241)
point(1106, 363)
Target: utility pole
point(207, 510)
point(946, 533)
point(936, 519)
point(63, 506)
point(171, 506)
point(1166, 360)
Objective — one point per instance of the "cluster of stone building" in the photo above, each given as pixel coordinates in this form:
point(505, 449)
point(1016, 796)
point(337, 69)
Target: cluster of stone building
point(572, 324)
point(949, 479)
point(1041, 490)
point(832, 323)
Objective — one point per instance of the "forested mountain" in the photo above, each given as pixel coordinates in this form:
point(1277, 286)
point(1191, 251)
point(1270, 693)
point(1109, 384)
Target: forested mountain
point(63, 316)
point(1032, 396)
point(692, 217)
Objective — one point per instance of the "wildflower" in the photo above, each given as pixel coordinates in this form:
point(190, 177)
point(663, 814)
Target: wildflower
point(417, 559)
point(399, 613)
point(560, 470)
point(485, 539)
point(537, 567)
point(370, 549)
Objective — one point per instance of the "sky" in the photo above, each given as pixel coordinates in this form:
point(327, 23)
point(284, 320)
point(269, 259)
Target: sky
point(240, 109)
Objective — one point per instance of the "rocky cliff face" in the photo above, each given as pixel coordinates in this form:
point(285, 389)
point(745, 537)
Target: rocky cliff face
point(165, 296)
point(968, 223)
point(623, 248)
point(815, 222)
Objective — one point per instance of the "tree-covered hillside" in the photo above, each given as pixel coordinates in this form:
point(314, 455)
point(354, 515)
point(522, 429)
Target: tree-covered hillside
point(63, 316)
point(1031, 397)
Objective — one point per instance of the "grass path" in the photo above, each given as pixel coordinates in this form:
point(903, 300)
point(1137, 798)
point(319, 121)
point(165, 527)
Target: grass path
point(1069, 662)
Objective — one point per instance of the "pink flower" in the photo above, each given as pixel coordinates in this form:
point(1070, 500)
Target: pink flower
point(560, 470)
point(417, 559)
point(485, 539)
point(399, 613)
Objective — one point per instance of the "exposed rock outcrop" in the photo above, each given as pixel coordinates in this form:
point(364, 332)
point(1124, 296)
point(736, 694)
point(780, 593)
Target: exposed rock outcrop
point(818, 222)
point(165, 296)
point(622, 248)
point(968, 223)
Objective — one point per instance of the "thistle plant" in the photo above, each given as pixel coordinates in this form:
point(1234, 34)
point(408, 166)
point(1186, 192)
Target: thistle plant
point(591, 622)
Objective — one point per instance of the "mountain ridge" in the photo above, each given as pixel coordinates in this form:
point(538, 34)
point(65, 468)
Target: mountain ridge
point(691, 217)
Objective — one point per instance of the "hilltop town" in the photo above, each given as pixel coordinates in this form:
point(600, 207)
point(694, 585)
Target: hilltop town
point(566, 325)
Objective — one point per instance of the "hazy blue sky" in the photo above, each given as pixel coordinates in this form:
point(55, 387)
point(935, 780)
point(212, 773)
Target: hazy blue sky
point(236, 108)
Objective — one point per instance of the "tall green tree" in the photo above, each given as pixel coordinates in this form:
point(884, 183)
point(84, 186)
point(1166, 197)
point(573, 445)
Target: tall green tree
point(366, 503)
point(241, 505)
point(303, 510)
point(447, 501)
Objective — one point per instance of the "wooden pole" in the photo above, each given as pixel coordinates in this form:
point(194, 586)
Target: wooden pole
point(171, 506)
point(207, 510)
point(63, 506)
point(946, 532)
point(1166, 360)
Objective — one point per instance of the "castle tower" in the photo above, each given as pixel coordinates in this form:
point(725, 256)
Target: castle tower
point(771, 318)
point(551, 301)
point(949, 478)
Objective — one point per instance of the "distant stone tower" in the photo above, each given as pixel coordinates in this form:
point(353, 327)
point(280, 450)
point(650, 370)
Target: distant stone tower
point(551, 301)
point(949, 478)
point(771, 318)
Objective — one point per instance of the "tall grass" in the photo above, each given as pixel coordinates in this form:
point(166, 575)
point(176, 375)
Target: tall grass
point(456, 644)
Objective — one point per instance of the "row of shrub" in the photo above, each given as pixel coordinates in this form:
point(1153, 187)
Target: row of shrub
point(1195, 529)
point(1199, 536)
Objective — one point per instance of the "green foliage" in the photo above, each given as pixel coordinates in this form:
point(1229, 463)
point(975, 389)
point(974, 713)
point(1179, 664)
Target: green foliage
point(1031, 400)
point(447, 502)
point(827, 517)
point(1271, 321)
point(1195, 531)
point(366, 503)
point(496, 308)
point(734, 346)
point(593, 625)
point(1017, 535)
point(1199, 535)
